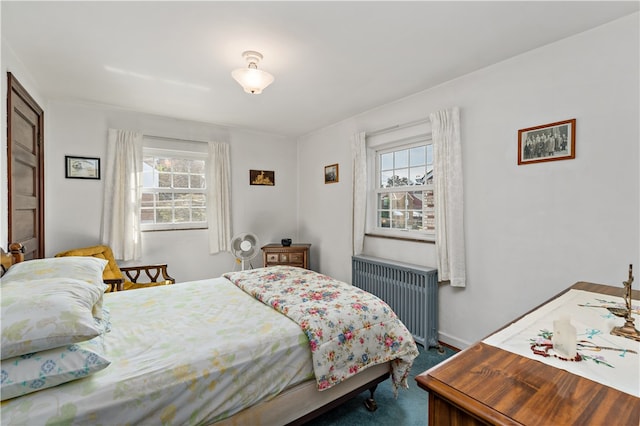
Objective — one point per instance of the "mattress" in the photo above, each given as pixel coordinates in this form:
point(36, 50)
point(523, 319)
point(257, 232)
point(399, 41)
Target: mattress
point(190, 353)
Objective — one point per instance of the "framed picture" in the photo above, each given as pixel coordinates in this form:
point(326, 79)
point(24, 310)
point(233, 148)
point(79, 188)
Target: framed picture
point(549, 142)
point(262, 177)
point(331, 174)
point(82, 167)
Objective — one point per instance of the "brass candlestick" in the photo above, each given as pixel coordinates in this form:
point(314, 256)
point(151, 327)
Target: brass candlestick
point(628, 330)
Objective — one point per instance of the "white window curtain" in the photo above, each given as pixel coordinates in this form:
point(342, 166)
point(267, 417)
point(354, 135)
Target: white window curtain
point(121, 215)
point(359, 155)
point(447, 170)
point(218, 197)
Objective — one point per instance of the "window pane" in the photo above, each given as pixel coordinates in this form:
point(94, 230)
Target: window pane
point(386, 161)
point(384, 221)
point(180, 165)
point(197, 166)
point(165, 199)
point(383, 201)
point(163, 164)
point(146, 215)
point(401, 178)
point(197, 181)
point(417, 176)
point(182, 215)
point(164, 180)
point(429, 154)
point(398, 200)
point(430, 222)
point(428, 199)
point(429, 175)
point(415, 220)
point(198, 215)
point(182, 200)
point(401, 158)
point(180, 181)
point(164, 216)
point(386, 179)
point(198, 200)
point(417, 156)
point(414, 200)
point(398, 219)
point(147, 200)
point(428, 211)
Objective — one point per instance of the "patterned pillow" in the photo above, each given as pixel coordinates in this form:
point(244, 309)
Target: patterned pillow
point(43, 314)
point(88, 269)
point(33, 372)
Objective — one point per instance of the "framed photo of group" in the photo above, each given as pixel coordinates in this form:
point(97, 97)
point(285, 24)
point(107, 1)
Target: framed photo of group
point(548, 142)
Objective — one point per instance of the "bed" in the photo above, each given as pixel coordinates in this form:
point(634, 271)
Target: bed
point(215, 351)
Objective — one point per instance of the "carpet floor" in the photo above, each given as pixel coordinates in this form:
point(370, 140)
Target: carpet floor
point(410, 409)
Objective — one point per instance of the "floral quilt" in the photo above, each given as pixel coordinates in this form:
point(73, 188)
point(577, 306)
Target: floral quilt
point(348, 329)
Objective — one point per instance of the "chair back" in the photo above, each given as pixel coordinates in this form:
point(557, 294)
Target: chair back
point(111, 271)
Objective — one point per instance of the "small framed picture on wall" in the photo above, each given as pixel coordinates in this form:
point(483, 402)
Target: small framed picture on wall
point(81, 167)
point(548, 142)
point(262, 177)
point(331, 174)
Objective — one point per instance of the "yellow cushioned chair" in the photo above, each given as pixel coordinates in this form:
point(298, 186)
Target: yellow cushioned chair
point(113, 274)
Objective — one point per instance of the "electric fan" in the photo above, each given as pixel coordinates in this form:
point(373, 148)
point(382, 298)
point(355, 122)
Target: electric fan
point(245, 247)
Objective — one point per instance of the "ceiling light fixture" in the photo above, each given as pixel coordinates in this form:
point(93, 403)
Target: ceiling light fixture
point(251, 78)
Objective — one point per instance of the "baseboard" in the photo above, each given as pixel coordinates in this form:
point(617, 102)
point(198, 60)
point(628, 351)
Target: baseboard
point(453, 342)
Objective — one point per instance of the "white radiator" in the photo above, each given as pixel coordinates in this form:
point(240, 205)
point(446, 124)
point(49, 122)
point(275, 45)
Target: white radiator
point(410, 290)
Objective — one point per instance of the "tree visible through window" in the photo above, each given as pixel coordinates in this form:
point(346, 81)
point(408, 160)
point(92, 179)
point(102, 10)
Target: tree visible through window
point(174, 190)
point(404, 188)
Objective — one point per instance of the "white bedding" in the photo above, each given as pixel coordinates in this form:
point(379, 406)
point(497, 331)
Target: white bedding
point(189, 353)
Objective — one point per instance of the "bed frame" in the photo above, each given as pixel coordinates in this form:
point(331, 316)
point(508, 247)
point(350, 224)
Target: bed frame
point(294, 406)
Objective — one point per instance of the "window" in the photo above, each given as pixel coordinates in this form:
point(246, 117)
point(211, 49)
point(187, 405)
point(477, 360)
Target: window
point(173, 189)
point(404, 192)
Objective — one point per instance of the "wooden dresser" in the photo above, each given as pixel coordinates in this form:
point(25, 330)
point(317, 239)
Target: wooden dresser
point(294, 255)
point(487, 385)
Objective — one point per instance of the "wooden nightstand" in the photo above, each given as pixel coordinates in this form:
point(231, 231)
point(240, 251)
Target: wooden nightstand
point(294, 255)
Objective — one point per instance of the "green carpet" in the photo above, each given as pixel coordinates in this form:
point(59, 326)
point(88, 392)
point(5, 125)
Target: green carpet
point(410, 409)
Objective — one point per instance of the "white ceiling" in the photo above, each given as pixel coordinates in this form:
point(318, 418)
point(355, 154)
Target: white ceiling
point(331, 60)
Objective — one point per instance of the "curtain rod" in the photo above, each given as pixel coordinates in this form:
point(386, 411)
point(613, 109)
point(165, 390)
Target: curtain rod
point(166, 138)
point(398, 127)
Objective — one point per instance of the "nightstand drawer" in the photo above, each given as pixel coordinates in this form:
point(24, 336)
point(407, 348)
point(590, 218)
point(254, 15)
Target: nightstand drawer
point(272, 257)
point(296, 257)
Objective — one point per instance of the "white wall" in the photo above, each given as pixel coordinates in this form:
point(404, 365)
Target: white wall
point(74, 206)
point(10, 63)
point(531, 230)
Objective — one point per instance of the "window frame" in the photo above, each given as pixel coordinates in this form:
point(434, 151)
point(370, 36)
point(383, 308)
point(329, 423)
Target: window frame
point(185, 154)
point(374, 178)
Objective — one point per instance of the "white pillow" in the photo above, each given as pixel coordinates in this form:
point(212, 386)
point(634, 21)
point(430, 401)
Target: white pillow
point(81, 268)
point(48, 313)
point(87, 269)
point(32, 372)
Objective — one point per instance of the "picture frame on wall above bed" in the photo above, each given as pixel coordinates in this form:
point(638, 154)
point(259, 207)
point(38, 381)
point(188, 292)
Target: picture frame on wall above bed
point(81, 167)
point(547, 142)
